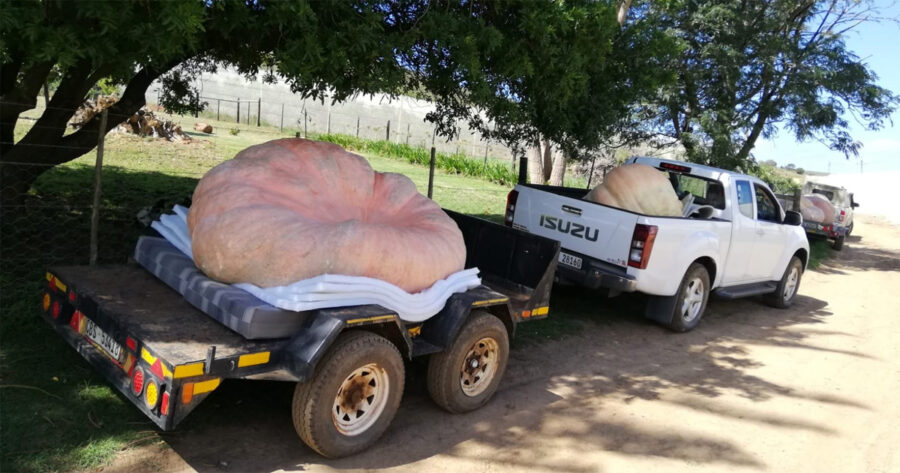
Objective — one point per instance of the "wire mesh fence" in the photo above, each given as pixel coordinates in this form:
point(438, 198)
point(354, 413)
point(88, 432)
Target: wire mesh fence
point(50, 221)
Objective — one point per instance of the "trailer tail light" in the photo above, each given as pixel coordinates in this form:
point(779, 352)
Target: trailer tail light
point(75, 321)
point(511, 200)
point(151, 394)
point(641, 245)
point(56, 309)
point(164, 408)
point(137, 382)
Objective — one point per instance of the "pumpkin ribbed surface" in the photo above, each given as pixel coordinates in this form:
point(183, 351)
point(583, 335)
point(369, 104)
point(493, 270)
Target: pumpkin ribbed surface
point(816, 208)
point(637, 188)
point(292, 209)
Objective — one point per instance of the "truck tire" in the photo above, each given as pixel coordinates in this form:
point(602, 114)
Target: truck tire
point(850, 229)
point(352, 398)
point(787, 288)
point(690, 304)
point(838, 244)
point(466, 375)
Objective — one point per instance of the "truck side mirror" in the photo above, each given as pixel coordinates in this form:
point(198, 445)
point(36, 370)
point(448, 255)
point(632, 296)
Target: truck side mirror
point(854, 204)
point(793, 218)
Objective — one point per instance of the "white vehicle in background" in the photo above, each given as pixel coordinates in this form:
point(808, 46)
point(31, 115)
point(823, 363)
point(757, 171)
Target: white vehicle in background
point(736, 242)
point(843, 203)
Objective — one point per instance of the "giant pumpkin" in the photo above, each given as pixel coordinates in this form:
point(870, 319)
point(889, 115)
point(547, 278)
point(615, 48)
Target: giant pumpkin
point(638, 188)
point(816, 208)
point(291, 209)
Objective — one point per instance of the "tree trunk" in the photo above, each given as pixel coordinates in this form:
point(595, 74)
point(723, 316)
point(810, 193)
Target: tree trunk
point(558, 174)
point(536, 163)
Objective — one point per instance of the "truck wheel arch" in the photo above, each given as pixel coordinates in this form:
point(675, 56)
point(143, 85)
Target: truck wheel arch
point(710, 266)
point(803, 255)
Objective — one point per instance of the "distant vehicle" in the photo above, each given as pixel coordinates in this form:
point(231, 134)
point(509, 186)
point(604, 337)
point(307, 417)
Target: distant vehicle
point(840, 197)
point(745, 244)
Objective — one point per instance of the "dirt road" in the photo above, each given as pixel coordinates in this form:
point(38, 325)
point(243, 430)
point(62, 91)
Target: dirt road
point(812, 388)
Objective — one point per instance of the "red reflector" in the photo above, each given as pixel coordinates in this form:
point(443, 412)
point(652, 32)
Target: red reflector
point(131, 344)
point(72, 296)
point(53, 283)
point(156, 368)
point(164, 409)
point(56, 309)
point(75, 321)
point(137, 382)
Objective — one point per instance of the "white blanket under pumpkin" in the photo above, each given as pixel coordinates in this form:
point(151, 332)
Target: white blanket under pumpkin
point(332, 290)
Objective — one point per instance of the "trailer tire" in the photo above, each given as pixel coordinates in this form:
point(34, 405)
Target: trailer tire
point(465, 376)
point(690, 302)
point(360, 370)
point(787, 288)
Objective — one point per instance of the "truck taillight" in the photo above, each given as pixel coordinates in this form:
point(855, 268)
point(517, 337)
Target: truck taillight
point(641, 245)
point(511, 199)
point(841, 217)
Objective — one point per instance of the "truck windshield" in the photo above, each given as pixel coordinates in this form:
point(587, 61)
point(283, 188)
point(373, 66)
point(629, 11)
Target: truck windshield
point(705, 191)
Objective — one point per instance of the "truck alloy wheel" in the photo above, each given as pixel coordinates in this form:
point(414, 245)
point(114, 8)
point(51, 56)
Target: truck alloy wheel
point(693, 293)
point(353, 396)
point(787, 288)
point(465, 375)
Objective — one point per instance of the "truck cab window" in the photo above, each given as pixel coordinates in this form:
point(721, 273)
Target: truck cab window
point(745, 198)
point(766, 208)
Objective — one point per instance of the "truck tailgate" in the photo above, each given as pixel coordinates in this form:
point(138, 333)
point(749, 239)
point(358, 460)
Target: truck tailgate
point(591, 229)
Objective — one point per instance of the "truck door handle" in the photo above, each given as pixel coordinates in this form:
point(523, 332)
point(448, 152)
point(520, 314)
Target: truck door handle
point(571, 210)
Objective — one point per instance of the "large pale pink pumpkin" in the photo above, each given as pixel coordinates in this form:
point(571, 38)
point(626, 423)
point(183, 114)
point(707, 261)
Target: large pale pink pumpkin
point(638, 188)
point(816, 208)
point(292, 209)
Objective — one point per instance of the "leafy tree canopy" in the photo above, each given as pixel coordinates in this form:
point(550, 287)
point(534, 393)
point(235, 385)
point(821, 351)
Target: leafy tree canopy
point(562, 69)
point(747, 68)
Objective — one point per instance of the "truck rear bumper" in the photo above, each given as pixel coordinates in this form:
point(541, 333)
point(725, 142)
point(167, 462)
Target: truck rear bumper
point(596, 274)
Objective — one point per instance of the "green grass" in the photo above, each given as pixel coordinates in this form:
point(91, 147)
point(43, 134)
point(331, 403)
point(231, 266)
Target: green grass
point(819, 251)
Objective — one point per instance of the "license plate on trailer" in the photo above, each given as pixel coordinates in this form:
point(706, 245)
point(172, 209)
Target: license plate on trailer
point(101, 338)
point(570, 260)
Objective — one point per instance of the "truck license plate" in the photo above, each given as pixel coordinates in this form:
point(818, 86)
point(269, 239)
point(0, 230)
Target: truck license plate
point(98, 336)
point(570, 260)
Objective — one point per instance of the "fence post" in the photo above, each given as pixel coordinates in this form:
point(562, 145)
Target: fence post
point(98, 182)
point(304, 123)
point(329, 122)
point(387, 134)
point(281, 123)
point(218, 108)
point(487, 145)
point(357, 126)
point(259, 111)
point(238, 118)
point(433, 135)
point(407, 134)
point(431, 173)
point(248, 112)
point(798, 195)
point(523, 170)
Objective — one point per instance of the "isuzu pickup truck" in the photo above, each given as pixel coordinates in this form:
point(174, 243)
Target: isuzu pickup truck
point(735, 240)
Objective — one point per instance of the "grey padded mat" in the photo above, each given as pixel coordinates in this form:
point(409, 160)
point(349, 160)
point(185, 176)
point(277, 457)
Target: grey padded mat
point(235, 308)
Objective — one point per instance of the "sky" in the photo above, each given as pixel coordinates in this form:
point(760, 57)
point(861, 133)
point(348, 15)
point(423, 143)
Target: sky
point(878, 45)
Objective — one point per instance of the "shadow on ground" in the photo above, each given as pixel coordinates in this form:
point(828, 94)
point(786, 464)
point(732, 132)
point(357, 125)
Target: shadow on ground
point(616, 356)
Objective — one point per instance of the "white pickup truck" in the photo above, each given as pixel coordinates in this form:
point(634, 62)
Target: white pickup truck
point(739, 242)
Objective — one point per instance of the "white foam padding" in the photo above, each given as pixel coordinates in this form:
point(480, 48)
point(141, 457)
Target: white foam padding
point(334, 290)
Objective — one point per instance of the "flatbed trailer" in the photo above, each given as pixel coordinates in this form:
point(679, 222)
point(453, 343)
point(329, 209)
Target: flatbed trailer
point(166, 356)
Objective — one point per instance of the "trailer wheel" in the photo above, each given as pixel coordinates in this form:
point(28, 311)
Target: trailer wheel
point(353, 396)
point(466, 375)
point(693, 292)
point(787, 288)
